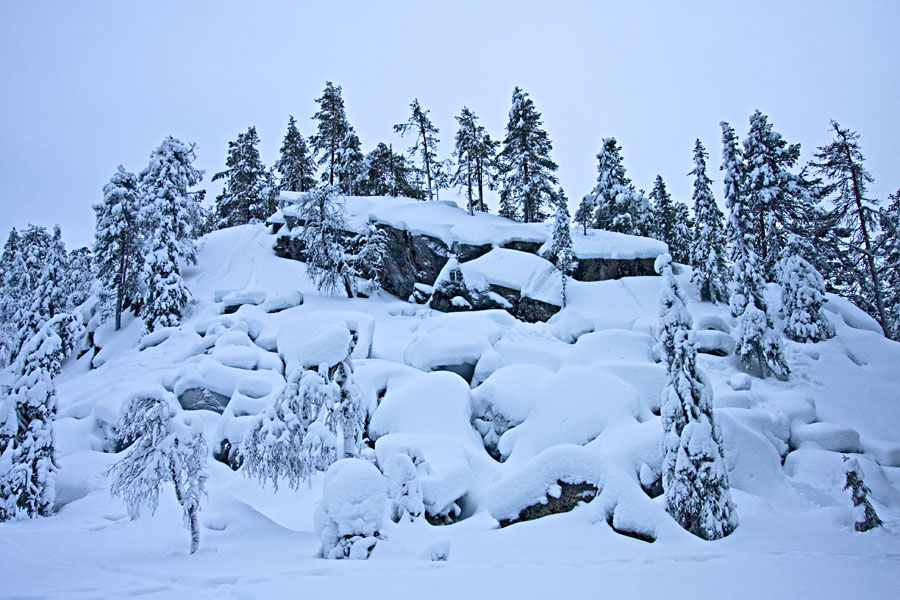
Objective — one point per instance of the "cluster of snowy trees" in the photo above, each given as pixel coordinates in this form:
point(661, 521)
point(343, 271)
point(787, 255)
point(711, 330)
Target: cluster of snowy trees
point(520, 167)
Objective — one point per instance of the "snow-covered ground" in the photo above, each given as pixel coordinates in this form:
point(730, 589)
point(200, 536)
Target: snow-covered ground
point(573, 397)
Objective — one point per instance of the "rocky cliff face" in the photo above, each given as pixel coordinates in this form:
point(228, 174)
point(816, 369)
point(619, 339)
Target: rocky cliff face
point(412, 259)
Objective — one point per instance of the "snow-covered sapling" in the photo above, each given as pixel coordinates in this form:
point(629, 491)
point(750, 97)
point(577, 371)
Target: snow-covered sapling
point(165, 449)
point(561, 253)
point(351, 513)
point(863, 512)
point(695, 482)
point(320, 407)
point(404, 488)
point(802, 297)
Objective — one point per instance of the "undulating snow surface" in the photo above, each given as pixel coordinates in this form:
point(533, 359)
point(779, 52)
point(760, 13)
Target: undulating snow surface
point(571, 400)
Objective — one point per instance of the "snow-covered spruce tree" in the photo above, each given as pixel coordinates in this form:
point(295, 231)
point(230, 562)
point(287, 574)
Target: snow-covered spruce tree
point(331, 131)
point(527, 173)
point(757, 342)
point(27, 443)
point(45, 292)
point(79, 277)
point(241, 199)
point(671, 221)
point(802, 296)
point(474, 153)
point(695, 481)
point(584, 216)
point(351, 164)
point(12, 275)
point(618, 206)
point(328, 263)
point(864, 515)
point(118, 256)
point(295, 166)
point(369, 260)
point(777, 200)
point(425, 145)
point(170, 215)
point(300, 433)
point(561, 253)
point(708, 244)
point(853, 221)
point(889, 244)
point(386, 173)
point(165, 449)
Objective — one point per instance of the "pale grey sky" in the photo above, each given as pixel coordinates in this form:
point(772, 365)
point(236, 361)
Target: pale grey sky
point(89, 85)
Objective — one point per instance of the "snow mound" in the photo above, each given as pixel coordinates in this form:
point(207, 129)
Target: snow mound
point(294, 334)
point(351, 513)
point(539, 478)
point(577, 404)
point(443, 469)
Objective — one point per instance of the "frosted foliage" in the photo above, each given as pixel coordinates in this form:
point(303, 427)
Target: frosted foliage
point(673, 316)
point(322, 212)
point(756, 342)
point(405, 489)
point(695, 482)
point(165, 449)
point(561, 253)
point(708, 244)
point(27, 442)
point(802, 297)
point(619, 207)
point(352, 509)
point(527, 173)
point(302, 432)
point(864, 515)
point(171, 215)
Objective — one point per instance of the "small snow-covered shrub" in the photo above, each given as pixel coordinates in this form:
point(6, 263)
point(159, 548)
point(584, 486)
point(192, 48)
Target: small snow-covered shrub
point(405, 489)
point(164, 449)
point(863, 512)
point(802, 298)
point(351, 513)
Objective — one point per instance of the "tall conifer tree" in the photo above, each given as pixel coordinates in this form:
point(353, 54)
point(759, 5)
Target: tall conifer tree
point(527, 173)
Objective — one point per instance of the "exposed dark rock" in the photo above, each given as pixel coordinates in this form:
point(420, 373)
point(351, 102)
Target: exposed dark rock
point(638, 535)
point(601, 269)
point(228, 454)
point(203, 399)
point(571, 495)
point(411, 259)
point(467, 252)
point(464, 370)
point(523, 246)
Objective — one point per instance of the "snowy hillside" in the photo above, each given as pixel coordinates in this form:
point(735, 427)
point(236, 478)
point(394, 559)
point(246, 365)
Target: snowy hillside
point(502, 420)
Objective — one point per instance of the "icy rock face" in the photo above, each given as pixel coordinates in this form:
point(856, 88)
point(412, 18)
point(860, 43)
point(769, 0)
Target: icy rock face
point(352, 509)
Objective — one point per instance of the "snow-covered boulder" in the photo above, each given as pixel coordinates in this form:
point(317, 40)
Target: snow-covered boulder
point(294, 335)
point(442, 471)
point(505, 400)
point(351, 513)
point(555, 481)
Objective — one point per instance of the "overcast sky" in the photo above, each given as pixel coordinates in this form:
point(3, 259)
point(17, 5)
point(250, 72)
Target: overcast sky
point(89, 85)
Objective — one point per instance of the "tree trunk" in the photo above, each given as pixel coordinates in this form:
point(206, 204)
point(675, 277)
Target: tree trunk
point(193, 521)
point(425, 157)
point(120, 293)
point(469, 182)
point(870, 259)
point(480, 173)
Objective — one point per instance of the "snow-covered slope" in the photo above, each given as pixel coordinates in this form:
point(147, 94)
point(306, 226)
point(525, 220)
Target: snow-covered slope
point(573, 398)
